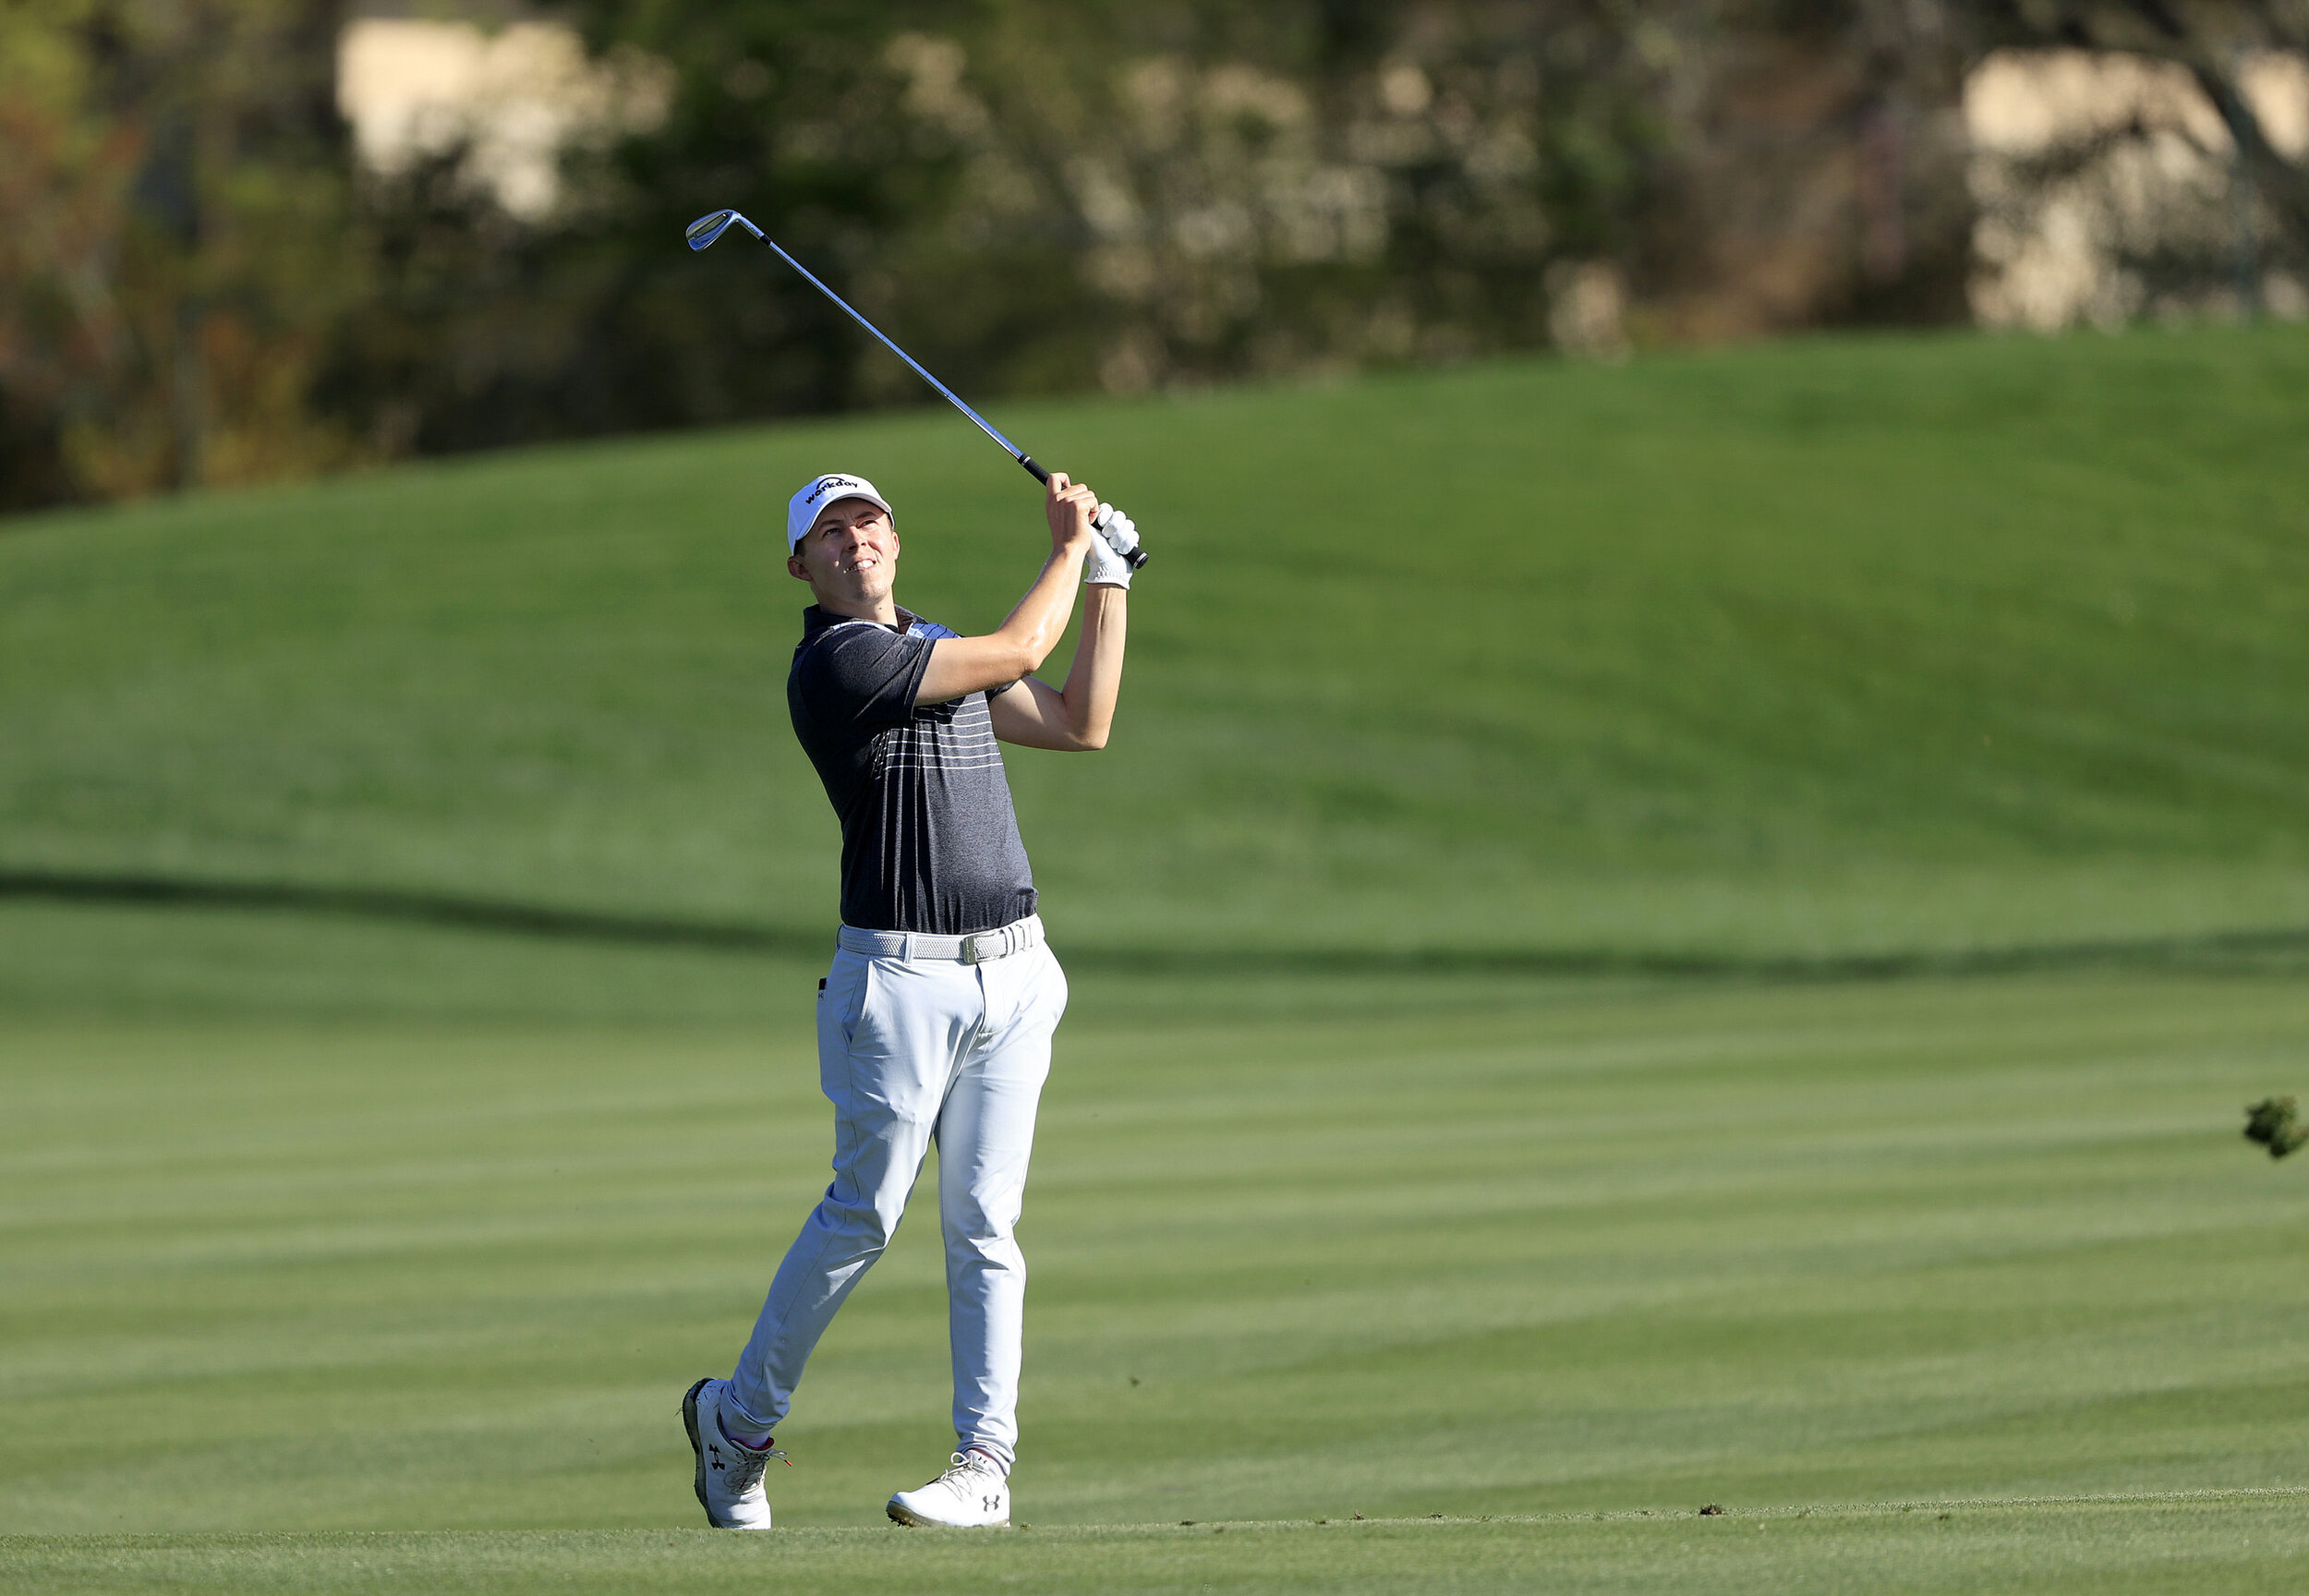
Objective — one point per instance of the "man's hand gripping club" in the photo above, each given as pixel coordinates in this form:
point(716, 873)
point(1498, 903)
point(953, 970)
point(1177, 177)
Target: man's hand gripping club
point(1078, 717)
point(1109, 555)
point(1110, 562)
point(963, 665)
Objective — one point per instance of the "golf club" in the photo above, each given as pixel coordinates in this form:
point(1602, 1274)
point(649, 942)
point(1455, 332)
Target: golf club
point(714, 224)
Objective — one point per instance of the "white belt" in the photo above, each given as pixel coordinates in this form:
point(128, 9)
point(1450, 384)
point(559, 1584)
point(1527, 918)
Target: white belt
point(975, 949)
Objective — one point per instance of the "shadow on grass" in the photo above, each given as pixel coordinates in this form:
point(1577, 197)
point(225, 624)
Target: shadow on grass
point(2286, 945)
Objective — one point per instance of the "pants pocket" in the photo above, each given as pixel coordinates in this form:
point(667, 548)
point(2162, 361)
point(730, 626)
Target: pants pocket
point(841, 1000)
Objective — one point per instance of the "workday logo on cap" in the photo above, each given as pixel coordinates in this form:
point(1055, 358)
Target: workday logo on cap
point(803, 507)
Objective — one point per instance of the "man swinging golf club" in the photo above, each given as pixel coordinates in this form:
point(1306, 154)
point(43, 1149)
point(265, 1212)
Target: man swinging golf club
point(934, 1022)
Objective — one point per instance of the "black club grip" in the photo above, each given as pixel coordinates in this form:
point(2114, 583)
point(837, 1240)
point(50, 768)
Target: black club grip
point(1136, 558)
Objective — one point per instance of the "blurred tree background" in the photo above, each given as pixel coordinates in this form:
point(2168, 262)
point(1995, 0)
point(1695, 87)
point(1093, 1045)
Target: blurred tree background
point(208, 276)
point(176, 253)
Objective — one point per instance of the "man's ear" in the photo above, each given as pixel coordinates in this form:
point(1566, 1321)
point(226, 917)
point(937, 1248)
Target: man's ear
point(795, 569)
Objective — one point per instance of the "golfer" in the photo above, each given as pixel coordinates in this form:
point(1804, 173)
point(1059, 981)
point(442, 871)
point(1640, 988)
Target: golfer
point(934, 1022)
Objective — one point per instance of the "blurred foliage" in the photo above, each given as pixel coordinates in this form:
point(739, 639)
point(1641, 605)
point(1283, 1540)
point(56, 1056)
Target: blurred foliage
point(2213, 39)
point(484, 330)
point(197, 285)
point(174, 259)
point(1032, 197)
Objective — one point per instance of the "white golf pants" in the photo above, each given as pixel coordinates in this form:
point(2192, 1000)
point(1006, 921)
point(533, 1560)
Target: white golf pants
point(913, 1051)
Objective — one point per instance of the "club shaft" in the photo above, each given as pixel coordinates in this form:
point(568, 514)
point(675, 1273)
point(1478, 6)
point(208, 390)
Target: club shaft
point(1134, 555)
point(952, 398)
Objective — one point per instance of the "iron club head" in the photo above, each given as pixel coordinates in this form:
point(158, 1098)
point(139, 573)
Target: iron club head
point(710, 226)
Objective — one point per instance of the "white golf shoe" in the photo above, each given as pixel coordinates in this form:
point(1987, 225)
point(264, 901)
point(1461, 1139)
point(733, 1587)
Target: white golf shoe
point(729, 1475)
point(971, 1495)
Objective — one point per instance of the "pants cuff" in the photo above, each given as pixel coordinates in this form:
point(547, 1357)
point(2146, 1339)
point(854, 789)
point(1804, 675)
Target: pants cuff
point(1000, 1454)
point(744, 1415)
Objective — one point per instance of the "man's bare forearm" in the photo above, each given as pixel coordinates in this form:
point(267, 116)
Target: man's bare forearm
point(960, 665)
point(1034, 627)
point(1013, 650)
point(1095, 680)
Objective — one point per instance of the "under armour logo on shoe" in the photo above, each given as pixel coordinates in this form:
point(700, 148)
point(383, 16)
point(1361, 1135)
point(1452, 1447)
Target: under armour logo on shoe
point(716, 1451)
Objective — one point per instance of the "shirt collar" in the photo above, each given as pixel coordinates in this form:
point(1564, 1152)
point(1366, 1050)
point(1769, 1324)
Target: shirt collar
point(815, 621)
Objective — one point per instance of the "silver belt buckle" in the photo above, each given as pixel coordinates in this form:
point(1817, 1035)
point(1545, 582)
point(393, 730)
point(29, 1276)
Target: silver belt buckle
point(971, 951)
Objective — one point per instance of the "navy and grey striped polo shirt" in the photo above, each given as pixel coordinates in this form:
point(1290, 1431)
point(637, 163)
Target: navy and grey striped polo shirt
point(929, 839)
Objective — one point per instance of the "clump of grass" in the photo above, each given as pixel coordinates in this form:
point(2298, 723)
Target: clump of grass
point(2271, 1122)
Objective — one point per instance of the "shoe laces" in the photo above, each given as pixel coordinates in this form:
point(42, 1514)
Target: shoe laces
point(751, 1466)
point(966, 1463)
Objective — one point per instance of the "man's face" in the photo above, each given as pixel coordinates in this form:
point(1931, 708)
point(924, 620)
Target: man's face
point(850, 552)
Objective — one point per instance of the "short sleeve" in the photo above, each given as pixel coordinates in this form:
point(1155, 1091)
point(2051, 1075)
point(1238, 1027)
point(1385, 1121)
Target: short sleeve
point(866, 675)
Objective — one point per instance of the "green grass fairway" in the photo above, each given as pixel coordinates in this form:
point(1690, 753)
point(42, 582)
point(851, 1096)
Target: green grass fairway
point(2230, 1543)
point(1887, 644)
point(1689, 933)
point(1535, 1251)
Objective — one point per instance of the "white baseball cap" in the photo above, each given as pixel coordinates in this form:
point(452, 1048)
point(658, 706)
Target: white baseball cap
point(802, 508)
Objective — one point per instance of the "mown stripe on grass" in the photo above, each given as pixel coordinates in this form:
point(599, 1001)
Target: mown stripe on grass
point(2243, 945)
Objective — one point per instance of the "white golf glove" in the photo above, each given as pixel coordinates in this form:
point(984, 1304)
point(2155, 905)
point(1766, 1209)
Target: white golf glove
point(1117, 532)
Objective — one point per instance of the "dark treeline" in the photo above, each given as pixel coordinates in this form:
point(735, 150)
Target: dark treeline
point(198, 284)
